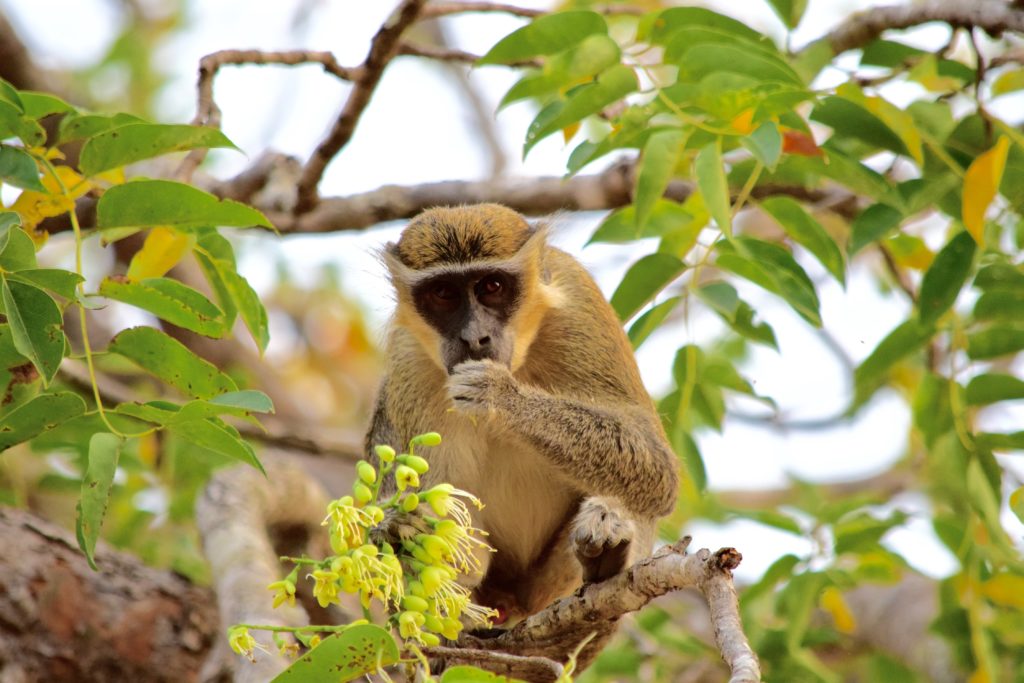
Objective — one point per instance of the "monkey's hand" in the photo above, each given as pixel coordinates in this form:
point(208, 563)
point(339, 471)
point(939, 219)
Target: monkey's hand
point(398, 526)
point(477, 387)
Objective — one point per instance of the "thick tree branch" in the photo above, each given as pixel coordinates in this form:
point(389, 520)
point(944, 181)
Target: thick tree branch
point(992, 16)
point(382, 49)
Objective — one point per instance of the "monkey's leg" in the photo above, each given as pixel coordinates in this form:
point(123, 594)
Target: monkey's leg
point(603, 538)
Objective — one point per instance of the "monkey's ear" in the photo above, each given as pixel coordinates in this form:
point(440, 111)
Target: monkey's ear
point(533, 249)
point(400, 273)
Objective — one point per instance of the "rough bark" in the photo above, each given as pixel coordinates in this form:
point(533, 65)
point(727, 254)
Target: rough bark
point(61, 621)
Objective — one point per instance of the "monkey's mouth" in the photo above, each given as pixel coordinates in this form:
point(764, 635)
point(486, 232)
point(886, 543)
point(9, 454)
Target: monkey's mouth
point(463, 355)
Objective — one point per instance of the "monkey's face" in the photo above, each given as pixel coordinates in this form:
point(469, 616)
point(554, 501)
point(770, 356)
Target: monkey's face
point(470, 309)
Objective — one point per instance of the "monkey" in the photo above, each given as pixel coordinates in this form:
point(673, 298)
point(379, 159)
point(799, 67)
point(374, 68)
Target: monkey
point(506, 346)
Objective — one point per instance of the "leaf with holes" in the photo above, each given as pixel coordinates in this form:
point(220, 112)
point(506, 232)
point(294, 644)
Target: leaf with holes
point(104, 450)
point(42, 413)
point(169, 300)
point(36, 326)
point(171, 361)
point(351, 654)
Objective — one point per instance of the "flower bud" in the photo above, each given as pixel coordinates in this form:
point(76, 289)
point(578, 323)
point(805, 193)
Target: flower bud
point(385, 453)
point(429, 639)
point(415, 604)
point(428, 439)
point(420, 465)
point(362, 492)
point(366, 472)
point(410, 502)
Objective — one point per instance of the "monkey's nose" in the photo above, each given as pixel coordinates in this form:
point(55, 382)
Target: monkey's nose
point(477, 344)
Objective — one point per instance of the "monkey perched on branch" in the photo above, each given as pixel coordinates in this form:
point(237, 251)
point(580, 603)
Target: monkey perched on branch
point(506, 346)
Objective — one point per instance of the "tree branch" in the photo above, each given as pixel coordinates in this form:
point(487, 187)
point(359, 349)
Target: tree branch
point(440, 9)
point(382, 49)
point(992, 16)
point(207, 111)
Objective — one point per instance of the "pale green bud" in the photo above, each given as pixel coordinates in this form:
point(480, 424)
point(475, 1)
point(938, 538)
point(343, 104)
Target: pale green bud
point(362, 492)
point(366, 472)
point(385, 453)
point(428, 439)
point(410, 502)
point(417, 463)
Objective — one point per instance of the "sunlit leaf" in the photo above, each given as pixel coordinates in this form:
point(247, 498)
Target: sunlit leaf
point(351, 654)
point(873, 223)
point(149, 203)
point(1007, 82)
point(36, 322)
point(545, 35)
point(85, 125)
point(713, 185)
point(807, 232)
point(42, 413)
point(722, 298)
point(137, 141)
point(169, 300)
point(643, 281)
point(789, 11)
point(981, 182)
point(992, 387)
point(15, 123)
point(651, 320)
point(40, 104)
point(104, 450)
point(773, 268)
point(995, 341)
point(172, 362)
point(19, 169)
point(657, 165)
point(908, 337)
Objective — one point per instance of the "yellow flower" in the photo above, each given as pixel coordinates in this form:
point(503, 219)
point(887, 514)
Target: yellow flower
point(443, 499)
point(242, 642)
point(406, 476)
point(285, 592)
point(347, 521)
point(409, 624)
point(325, 590)
point(462, 544)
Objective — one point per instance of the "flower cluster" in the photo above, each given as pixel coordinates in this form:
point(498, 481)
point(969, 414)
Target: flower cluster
point(415, 580)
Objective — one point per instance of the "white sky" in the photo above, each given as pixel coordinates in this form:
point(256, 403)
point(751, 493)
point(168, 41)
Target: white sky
point(417, 130)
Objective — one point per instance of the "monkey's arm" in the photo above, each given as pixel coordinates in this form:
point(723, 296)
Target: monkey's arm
point(618, 452)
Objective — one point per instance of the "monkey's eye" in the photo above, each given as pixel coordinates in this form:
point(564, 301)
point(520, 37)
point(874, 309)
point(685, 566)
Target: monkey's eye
point(491, 285)
point(444, 292)
point(491, 290)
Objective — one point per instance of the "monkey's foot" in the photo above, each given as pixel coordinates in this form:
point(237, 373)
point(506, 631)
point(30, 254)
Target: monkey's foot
point(600, 538)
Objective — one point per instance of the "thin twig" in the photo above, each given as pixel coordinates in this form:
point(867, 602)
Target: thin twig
point(207, 111)
point(383, 48)
point(496, 662)
point(440, 9)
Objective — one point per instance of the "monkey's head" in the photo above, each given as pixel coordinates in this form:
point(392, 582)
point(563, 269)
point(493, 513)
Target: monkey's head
point(469, 283)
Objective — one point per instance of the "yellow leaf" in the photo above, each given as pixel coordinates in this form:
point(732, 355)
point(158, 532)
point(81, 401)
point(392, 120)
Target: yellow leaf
point(570, 131)
point(35, 206)
point(926, 72)
point(833, 602)
point(744, 122)
point(1008, 81)
point(1005, 589)
point(909, 251)
point(981, 182)
point(898, 121)
point(162, 249)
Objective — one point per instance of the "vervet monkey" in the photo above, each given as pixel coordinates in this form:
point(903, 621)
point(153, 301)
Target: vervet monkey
point(505, 346)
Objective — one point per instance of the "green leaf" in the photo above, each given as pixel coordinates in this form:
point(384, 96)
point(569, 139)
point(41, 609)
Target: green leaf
point(765, 144)
point(807, 232)
point(872, 224)
point(592, 56)
point(611, 85)
point(773, 268)
point(137, 141)
point(14, 123)
point(248, 400)
point(1000, 304)
point(36, 326)
point(772, 518)
point(471, 674)
point(657, 166)
point(945, 278)
point(666, 216)
point(169, 300)
point(172, 362)
point(722, 298)
point(999, 276)
point(908, 337)
point(712, 183)
point(42, 413)
point(10, 94)
point(670, 21)
point(888, 53)
point(643, 281)
point(995, 341)
point(219, 437)
point(992, 387)
point(19, 169)
point(789, 11)
point(351, 654)
point(698, 61)
point(651, 320)
point(57, 280)
point(546, 35)
point(147, 203)
point(850, 120)
point(932, 407)
point(17, 251)
point(1017, 503)
point(686, 447)
point(104, 450)
point(254, 315)
point(40, 104)
point(84, 125)
point(861, 531)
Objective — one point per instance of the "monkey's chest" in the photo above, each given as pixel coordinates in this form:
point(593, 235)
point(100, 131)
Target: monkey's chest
point(526, 501)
